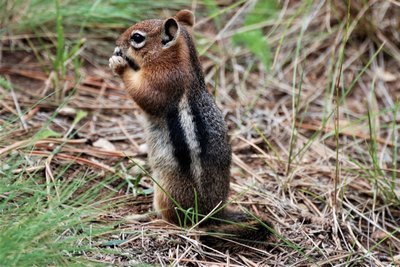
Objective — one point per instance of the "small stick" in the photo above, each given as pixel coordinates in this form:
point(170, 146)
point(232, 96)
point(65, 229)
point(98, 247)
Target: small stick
point(20, 116)
point(123, 129)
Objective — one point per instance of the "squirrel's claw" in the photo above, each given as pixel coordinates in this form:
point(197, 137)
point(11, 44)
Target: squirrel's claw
point(117, 64)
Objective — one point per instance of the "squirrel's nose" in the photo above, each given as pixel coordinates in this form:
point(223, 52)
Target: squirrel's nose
point(117, 51)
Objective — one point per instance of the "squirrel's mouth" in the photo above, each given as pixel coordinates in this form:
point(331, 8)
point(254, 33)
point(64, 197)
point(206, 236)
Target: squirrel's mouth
point(131, 62)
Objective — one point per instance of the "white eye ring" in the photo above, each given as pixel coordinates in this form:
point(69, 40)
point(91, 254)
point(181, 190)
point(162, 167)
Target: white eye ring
point(140, 39)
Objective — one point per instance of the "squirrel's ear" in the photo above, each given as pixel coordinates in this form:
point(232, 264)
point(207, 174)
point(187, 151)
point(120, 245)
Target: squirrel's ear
point(185, 17)
point(170, 32)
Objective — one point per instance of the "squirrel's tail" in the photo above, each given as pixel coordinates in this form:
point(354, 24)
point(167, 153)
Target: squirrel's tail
point(235, 231)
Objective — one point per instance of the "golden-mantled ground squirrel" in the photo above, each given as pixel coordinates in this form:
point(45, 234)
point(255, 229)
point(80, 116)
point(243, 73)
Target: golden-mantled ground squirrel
point(189, 152)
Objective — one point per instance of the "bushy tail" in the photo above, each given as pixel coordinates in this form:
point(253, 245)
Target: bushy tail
point(235, 230)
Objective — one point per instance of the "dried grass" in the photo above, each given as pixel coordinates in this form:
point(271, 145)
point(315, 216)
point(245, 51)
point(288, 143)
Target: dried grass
point(284, 153)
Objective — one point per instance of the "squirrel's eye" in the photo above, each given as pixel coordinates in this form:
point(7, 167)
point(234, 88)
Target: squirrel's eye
point(138, 38)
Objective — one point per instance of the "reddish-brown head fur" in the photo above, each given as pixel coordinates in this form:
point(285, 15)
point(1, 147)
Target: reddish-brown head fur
point(160, 55)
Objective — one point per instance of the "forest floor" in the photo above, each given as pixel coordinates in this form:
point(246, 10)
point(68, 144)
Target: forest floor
point(314, 131)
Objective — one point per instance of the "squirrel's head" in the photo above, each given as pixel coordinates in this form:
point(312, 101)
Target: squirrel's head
point(163, 62)
point(153, 42)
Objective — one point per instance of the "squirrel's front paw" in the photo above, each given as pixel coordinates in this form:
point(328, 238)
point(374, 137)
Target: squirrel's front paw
point(117, 63)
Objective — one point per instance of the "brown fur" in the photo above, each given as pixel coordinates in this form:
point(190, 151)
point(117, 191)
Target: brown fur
point(159, 75)
point(185, 17)
point(150, 86)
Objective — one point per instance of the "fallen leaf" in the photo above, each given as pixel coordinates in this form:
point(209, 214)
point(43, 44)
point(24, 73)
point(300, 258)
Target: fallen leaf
point(104, 144)
point(379, 235)
point(385, 75)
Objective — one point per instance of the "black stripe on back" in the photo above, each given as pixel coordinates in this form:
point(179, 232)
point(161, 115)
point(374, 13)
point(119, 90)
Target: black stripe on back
point(201, 128)
point(177, 137)
point(197, 86)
